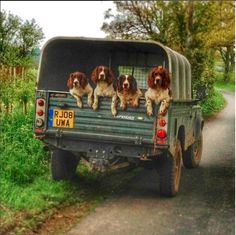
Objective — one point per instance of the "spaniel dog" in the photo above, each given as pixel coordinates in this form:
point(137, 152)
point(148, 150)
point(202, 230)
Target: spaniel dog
point(158, 90)
point(78, 86)
point(128, 92)
point(103, 78)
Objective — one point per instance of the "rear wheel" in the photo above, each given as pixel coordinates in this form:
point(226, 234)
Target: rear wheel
point(63, 165)
point(170, 172)
point(192, 156)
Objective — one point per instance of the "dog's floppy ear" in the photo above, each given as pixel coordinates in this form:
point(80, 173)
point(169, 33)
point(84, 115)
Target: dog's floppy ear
point(83, 81)
point(119, 84)
point(151, 79)
point(134, 84)
point(166, 79)
point(110, 76)
point(94, 75)
point(70, 81)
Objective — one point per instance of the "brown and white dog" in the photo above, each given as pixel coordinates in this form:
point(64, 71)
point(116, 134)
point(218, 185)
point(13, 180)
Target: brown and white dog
point(158, 90)
point(128, 92)
point(103, 78)
point(78, 86)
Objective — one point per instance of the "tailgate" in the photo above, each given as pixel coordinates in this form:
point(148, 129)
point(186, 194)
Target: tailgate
point(132, 126)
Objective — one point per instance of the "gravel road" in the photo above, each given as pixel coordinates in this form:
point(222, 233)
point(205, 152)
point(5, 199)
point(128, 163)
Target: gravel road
point(205, 204)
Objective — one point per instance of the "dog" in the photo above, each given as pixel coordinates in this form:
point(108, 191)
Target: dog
point(78, 86)
point(158, 90)
point(103, 78)
point(128, 92)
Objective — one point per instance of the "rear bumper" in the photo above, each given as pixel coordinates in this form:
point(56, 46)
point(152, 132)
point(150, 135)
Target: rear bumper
point(102, 145)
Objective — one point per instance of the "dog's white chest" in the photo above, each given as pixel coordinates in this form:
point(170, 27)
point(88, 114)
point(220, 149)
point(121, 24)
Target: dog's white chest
point(158, 94)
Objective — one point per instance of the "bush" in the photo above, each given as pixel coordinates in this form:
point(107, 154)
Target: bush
point(213, 104)
point(22, 158)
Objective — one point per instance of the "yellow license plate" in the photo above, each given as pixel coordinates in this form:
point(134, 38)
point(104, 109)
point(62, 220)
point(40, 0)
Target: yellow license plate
point(63, 118)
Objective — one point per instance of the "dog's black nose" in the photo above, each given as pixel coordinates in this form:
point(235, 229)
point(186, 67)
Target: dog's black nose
point(102, 76)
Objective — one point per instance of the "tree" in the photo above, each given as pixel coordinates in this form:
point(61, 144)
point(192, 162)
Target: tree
point(18, 39)
point(222, 35)
point(181, 25)
point(9, 26)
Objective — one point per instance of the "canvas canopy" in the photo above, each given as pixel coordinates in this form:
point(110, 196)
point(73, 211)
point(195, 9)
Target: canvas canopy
point(63, 55)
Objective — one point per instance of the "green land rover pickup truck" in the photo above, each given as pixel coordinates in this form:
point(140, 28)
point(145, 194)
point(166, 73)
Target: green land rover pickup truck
point(105, 141)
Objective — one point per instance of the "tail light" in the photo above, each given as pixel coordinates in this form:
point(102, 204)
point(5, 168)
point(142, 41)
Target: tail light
point(161, 134)
point(40, 102)
point(162, 122)
point(40, 112)
point(161, 128)
point(40, 115)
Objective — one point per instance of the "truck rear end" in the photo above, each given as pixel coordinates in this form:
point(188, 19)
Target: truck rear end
point(103, 140)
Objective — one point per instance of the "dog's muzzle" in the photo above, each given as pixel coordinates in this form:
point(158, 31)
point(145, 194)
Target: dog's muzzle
point(126, 86)
point(157, 80)
point(102, 76)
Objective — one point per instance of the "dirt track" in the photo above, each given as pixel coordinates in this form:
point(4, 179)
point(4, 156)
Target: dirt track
point(205, 204)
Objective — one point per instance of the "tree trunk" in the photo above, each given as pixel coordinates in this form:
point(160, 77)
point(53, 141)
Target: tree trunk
point(225, 54)
point(25, 107)
point(227, 65)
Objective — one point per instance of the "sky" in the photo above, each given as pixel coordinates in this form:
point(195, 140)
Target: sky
point(62, 18)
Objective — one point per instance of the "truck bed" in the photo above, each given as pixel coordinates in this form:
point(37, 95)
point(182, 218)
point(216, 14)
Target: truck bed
point(131, 126)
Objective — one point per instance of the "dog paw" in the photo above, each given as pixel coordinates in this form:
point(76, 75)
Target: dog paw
point(114, 112)
point(90, 103)
point(149, 112)
point(135, 105)
point(163, 108)
point(123, 106)
point(79, 104)
point(95, 106)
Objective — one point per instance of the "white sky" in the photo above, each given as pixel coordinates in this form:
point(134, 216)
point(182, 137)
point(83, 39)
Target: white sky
point(62, 18)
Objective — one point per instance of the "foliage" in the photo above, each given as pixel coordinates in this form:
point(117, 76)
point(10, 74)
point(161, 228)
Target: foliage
point(17, 91)
point(181, 25)
point(222, 34)
point(213, 104)
point(19, 151)
point(18, 39)
point(220, 83)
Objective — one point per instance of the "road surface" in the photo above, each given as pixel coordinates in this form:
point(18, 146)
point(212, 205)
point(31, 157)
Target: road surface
point(205, 204)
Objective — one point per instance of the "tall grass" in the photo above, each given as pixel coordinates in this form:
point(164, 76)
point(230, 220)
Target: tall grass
point(22, 157)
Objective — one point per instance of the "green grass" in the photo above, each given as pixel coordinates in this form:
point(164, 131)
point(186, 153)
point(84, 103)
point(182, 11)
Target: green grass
point(213, 104)
point(28, 193)
point(221, 85)
point(230, 86)
point(216, 102)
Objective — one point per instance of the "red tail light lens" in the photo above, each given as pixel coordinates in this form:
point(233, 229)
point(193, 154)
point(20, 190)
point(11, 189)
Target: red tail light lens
point(162, 122)
point(40, 112)
point(38, 131)
point(161, 134)
point(41, 102)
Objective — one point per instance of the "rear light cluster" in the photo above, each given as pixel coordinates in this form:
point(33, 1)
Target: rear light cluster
point(161, 128)
point(40, 116)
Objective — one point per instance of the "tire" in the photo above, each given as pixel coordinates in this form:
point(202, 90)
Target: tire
point(63, 165)
point(192, 156)
point(170, 172)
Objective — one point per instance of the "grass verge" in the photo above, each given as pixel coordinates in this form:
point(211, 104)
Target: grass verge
point(213, 104)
